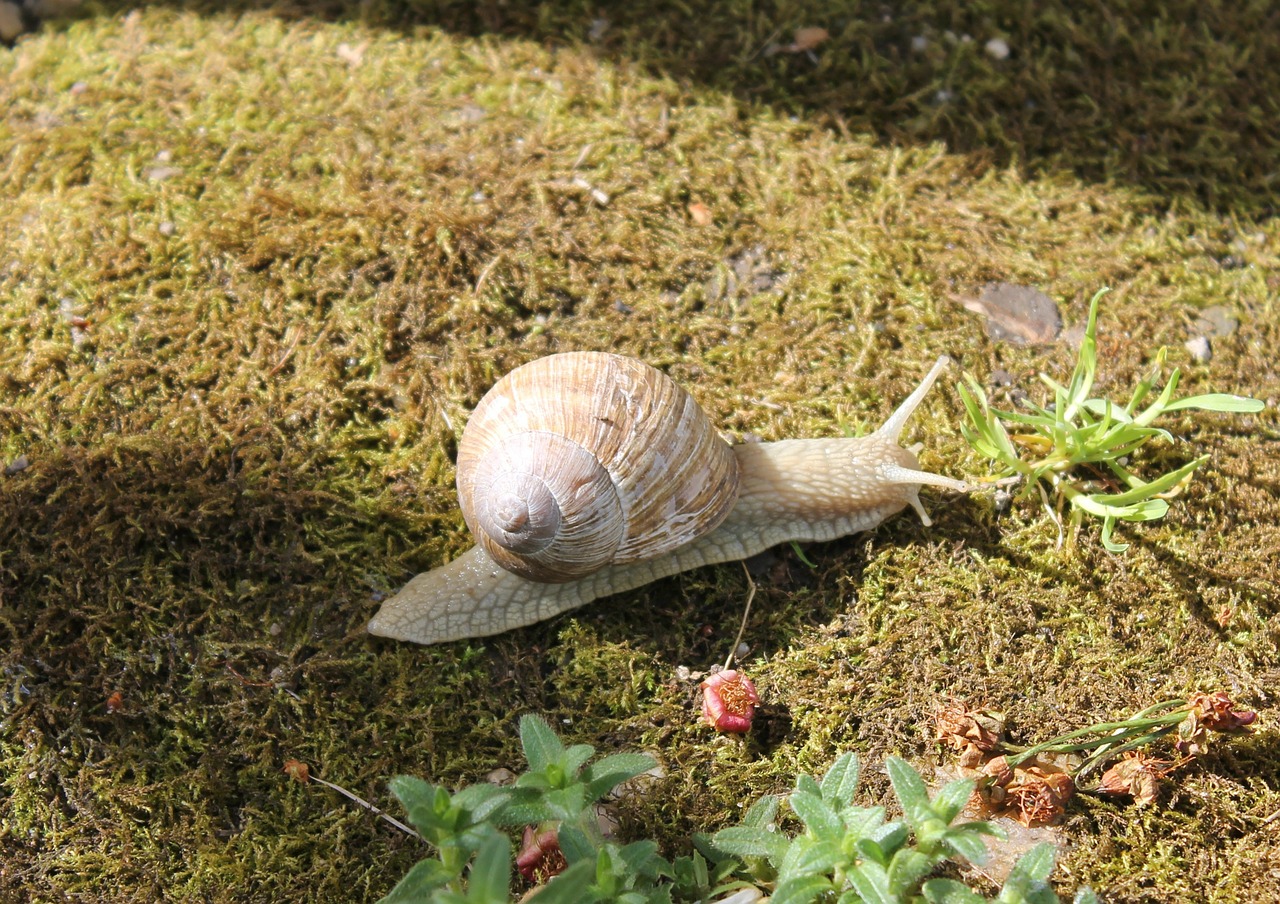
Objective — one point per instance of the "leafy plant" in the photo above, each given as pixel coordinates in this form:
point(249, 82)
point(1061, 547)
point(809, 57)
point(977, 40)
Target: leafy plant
point(844, 854)
point(848, 853)
point(1074, 451)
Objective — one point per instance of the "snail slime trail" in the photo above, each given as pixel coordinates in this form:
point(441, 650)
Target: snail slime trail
point(585, 474)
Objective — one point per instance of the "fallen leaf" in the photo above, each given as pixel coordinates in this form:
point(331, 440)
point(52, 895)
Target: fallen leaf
point(1018, 314)
point(807, 39)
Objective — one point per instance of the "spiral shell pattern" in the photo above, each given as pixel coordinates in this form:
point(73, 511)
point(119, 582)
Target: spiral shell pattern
point(584, 459)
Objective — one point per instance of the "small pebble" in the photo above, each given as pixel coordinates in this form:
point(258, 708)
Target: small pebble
point(997, 49)
point(919, 44)
point(167, 228)
point(1200, 349)
point(17, 465)
point(742, 650)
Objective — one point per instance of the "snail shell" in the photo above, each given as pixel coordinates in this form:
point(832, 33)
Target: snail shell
point(586, 459)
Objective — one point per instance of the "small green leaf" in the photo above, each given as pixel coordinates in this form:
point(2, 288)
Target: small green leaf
point(861, 821)
point(424, 877)
point(891, 836)
point(871, 881)
point(413, 792)
point(603, 776)
point(949, 891)
point(574, 844)
point(911, 791)
point(574, 757)
point(573, 886)
point(818, 817)
point(801, 890)
point(1035, 864)
point(490, 874)
point(748, 841)
point(806, 784)
point(952, 798)
point(841, 781)
point(906, 869)
point(481, 801)
point(541, 746)
point(967, 844)
point(763, 812)
point(809, 857)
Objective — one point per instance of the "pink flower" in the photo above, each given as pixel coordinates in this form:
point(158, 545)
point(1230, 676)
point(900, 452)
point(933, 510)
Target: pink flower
point(540, 857)
point(729, 701)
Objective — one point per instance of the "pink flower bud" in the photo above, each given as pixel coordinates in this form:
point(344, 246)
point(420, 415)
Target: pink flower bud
point(729, 701)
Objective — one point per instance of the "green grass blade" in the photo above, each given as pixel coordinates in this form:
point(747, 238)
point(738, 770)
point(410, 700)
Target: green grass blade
point(1219, 401)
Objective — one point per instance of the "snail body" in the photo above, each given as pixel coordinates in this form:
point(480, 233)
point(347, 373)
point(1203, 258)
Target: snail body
point(756, 496)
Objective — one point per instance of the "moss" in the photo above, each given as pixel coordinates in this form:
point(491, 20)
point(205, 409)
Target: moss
point(251, 286)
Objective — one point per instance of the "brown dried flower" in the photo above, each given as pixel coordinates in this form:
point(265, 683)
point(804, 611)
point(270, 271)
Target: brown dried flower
point(971, 732)
point(1206, 713)
point(1038, 796)
point(1137, 775)
point(998, 770)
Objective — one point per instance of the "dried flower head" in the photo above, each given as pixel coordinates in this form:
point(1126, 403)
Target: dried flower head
point(729, 701)
point(540, 856)
point(1137, 775)
point(297, 770)
point(1039, 797)
point(971, 732)
point(997, 769)
point(1206, 713)
point(1218, 713)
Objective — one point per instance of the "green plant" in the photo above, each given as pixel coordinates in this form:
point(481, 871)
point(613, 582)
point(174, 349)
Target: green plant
point(848, 853)
point(560, 789)
point(1074, 451)
point(843, 854)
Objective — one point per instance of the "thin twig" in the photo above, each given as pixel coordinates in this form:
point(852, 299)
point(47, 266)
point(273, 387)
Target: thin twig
point(751, 594)
point(368, 806)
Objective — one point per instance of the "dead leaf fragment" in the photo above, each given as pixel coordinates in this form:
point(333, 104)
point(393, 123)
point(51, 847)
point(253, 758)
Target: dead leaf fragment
point(1018, 314)
point(807, 39)
point(353, 56)
point(700, 214)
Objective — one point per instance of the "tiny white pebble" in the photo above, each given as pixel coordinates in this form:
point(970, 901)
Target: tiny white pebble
point(167, 228)
point(742, 650)
point(997, 49)
point(919, 44)
point(1200, 349)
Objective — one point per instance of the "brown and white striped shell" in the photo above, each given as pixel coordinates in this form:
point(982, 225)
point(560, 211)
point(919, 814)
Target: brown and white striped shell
point(583, 459)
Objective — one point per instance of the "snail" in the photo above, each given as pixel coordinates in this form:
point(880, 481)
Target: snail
point(585, 474)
